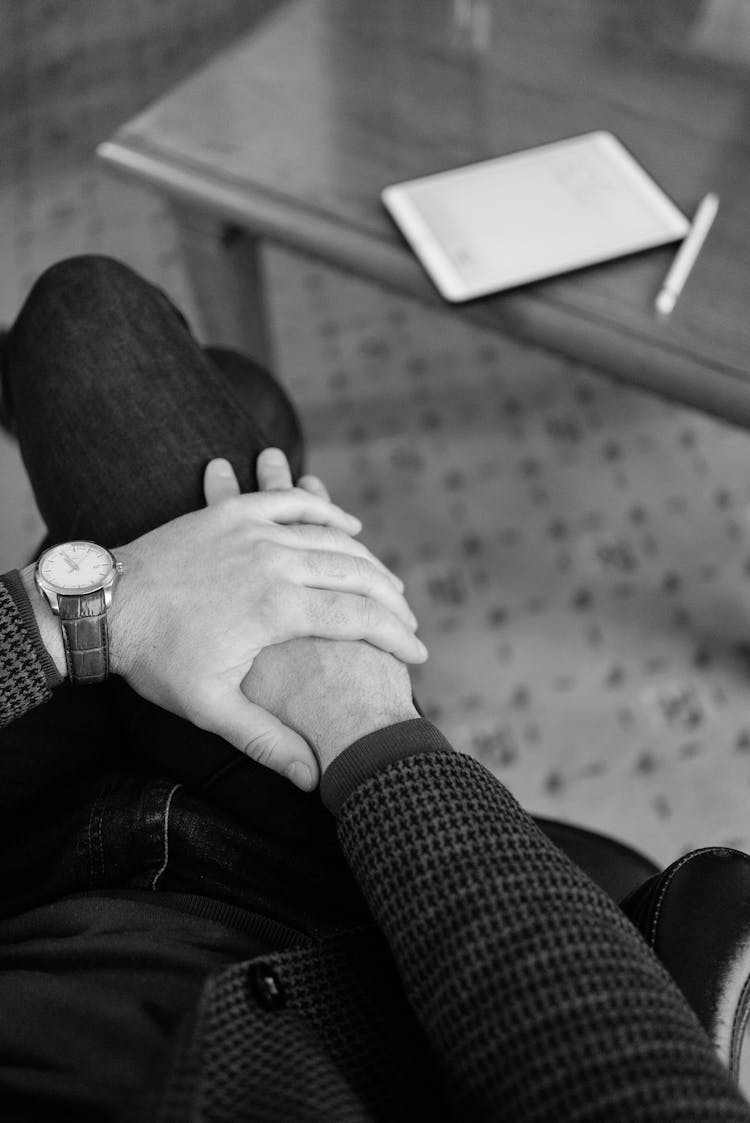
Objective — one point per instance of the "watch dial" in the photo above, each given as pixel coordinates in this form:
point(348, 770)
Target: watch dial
point(76, 565)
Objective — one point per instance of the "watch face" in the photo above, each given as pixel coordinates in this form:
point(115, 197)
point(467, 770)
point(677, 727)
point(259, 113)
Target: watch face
point(75, 567)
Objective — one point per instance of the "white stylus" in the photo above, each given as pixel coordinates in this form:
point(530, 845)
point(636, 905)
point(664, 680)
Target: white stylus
point(686, 255)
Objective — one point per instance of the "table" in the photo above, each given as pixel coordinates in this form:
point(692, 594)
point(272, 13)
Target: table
point(291, 134)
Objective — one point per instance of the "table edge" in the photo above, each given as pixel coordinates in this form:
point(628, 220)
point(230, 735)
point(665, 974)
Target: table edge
point(543, 321)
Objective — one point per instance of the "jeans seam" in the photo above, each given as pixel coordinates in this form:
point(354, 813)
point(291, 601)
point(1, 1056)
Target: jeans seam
point(165, 837)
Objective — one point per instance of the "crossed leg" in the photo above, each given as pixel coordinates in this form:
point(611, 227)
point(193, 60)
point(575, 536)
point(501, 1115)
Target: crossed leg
point(117, 411)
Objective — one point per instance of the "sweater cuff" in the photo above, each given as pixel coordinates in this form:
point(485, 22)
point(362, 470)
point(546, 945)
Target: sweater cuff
point(15, 586)
point(374, 752)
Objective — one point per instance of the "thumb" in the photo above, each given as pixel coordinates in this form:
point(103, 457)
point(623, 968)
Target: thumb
point(265, 739)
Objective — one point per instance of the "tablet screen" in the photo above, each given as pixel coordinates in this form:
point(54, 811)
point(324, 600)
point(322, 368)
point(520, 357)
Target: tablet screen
point(533, 214)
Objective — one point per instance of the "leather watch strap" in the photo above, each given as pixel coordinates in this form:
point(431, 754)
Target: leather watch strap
point(83, 621)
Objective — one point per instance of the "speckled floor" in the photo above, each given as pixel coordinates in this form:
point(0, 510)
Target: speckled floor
point(578, 553)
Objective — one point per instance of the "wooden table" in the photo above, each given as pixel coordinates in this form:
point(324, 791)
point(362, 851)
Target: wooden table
point(291, 135)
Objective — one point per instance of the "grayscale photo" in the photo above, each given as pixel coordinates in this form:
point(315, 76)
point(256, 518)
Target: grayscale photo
point(374, 561)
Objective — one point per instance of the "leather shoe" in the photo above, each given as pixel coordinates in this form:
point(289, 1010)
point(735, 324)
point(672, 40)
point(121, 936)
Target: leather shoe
point(696, 917)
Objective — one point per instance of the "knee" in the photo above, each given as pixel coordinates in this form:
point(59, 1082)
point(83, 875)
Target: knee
point(59, 340)
point(81, 282)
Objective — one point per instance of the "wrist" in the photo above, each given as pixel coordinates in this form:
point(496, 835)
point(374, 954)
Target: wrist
point(371, 755)
point(121, 654)
point(49, 627)
point(332, 742)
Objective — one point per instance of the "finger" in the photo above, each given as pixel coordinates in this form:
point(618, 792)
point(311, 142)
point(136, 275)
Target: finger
point(265, 739)
point(346, 573)
point(314, 485)
point(348, 616)
point(298, 506)
point(219, 481)
point(305, 537)
point(273, 471)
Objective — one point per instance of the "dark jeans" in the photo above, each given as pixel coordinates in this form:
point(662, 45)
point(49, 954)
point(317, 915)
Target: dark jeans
point(117, 412)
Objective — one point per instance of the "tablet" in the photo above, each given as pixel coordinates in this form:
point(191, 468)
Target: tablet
point(533, 214)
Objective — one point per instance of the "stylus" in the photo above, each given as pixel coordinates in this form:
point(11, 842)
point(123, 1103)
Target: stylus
point(687, 254)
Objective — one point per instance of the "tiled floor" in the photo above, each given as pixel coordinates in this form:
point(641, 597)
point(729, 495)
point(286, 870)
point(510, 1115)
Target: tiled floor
point(578, 553)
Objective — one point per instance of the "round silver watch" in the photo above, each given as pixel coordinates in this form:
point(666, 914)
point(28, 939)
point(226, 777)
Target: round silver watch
point(77, 579)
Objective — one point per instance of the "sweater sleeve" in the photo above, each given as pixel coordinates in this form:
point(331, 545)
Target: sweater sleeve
point(27, 671)
point(371, 753)
point(539, 999)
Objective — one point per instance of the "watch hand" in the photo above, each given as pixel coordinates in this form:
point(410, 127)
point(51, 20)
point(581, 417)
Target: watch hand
point(70, 561)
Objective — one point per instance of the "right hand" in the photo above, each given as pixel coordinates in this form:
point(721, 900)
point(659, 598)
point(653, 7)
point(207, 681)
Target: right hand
point(330, 693)
point(201, 596)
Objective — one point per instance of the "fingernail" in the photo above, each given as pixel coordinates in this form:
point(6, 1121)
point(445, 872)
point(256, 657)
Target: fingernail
point(223, 468)
point(421, 648)
point(275, 455)
point(355, 522)
point(300, 775)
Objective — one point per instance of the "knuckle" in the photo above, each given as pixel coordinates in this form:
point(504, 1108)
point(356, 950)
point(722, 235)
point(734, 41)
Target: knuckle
point(334, 538)
point(368, 613)
point(233, 509)
point(363, 570)
point(277, 604)
point(328, 611)
point(318, 563)
point(261, 748)
point(334, 566)
point(300, 530)
point(267, 553)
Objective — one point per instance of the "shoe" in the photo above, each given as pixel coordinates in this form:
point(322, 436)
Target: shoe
point(6, 421)
point(696, 917)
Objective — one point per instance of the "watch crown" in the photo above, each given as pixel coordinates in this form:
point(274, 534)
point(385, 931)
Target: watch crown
point(119, 566)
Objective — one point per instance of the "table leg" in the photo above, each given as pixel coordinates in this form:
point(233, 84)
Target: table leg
point(225, 271)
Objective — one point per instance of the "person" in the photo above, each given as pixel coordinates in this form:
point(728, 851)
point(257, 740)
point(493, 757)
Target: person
point(243, 878)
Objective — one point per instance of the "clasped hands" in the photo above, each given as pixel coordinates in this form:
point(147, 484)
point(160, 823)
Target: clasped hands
point(276, 572)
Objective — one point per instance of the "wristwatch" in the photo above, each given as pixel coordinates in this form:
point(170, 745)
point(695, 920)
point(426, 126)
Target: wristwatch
point(77, 579)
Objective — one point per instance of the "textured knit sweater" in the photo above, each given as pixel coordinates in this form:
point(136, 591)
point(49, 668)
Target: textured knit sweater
point(27, 672)
point(497, 982)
